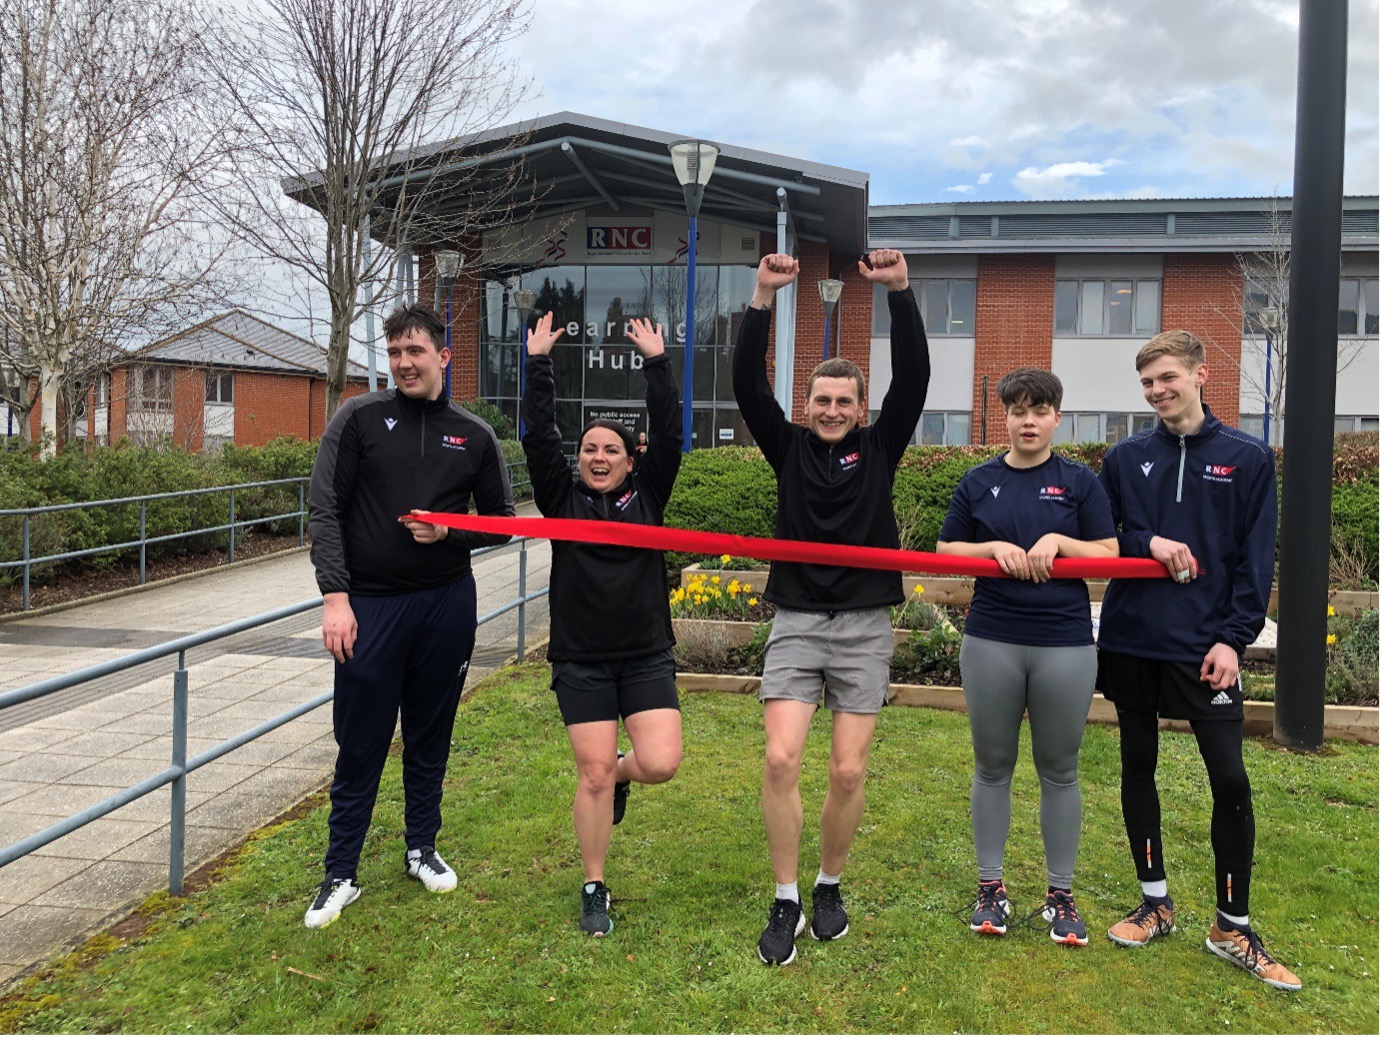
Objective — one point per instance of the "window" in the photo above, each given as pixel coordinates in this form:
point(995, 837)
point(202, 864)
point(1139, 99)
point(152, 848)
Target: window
point(1107, 307)
point(948, 306)
point(214, 444)
point(103, 390)
point(1358, 311)
point(154, 388)
point(944, 428)
point(220, 387)
point(1101, 427)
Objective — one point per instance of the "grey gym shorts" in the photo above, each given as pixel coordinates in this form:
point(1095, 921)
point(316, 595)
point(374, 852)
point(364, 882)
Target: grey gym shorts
point(839, 660)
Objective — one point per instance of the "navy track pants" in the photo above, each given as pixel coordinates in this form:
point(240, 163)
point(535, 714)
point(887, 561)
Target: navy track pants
point(410, 660)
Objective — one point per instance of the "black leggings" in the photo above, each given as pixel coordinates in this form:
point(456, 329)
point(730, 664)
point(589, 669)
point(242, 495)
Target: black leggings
point(1232, 812)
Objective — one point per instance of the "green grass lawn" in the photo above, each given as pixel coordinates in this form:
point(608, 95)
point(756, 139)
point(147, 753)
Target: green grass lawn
point(692, 887)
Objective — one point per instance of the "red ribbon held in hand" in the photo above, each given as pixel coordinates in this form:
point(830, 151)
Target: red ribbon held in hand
point(666, 538)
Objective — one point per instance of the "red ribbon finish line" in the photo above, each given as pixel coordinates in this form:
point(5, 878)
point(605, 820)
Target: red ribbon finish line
point(701, 542)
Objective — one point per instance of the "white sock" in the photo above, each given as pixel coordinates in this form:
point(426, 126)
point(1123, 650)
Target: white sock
point(1157, 888)
point(1241, 921)
point(822, 877)
point(787, 892)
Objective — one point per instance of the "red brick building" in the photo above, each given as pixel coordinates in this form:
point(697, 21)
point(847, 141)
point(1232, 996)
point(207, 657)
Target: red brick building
point(231, 379)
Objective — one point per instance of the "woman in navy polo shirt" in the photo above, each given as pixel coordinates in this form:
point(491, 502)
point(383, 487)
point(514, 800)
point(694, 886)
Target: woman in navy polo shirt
point(1028, 642)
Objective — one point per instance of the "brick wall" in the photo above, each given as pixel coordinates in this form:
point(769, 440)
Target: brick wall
point(1014, 304)
point(1202, 295)
point(268, 404)
point(189, 403)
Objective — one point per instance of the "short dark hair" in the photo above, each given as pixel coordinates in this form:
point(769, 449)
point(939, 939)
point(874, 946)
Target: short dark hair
point(1032, 386)
point(838, 367)
point(415, 317)
point(626, 437)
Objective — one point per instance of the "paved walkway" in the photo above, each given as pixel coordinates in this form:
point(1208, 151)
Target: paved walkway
point(70, 750)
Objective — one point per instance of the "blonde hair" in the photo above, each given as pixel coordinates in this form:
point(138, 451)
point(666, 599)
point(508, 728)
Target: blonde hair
point(838, 367)
point(1185, 346)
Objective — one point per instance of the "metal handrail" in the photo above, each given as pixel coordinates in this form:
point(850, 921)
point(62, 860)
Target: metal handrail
point(176, 773)
point(27, 561)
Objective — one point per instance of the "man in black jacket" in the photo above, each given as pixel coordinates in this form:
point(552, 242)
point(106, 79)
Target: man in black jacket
point(832, 639)
point(399, 612)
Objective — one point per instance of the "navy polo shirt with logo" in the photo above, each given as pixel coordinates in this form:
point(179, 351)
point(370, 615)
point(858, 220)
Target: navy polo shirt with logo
point(997, 502)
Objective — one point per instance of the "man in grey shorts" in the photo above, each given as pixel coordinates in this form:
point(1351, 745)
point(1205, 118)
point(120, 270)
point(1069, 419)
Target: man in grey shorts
point(832, 639)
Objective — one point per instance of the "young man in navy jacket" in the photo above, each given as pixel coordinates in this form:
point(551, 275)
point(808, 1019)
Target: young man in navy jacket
point(832, 639)
point(1200, 498)
point(399, 600)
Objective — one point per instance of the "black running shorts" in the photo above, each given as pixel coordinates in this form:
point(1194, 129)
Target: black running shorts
point(607, 690)
point(1168, 688)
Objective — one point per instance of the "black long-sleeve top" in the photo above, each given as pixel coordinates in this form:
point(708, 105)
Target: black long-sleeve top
point(605, 602)
point(383, 454)
point(839, 493)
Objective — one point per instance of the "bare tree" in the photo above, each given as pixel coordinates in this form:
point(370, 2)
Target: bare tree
point(350, 109)
point(1263, 317)
point(102, 139)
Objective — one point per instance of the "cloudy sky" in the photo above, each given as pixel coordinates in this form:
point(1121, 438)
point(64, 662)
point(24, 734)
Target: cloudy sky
point(966, 99)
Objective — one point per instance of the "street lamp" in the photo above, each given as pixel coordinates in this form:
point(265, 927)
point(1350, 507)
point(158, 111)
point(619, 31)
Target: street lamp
point(1270, 319)
point(524, 302)
point(693, 162)
point(447, 262)
point(830, 291)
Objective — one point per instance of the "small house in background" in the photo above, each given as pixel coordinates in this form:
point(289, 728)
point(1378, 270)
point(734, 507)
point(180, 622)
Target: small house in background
point(232, 379)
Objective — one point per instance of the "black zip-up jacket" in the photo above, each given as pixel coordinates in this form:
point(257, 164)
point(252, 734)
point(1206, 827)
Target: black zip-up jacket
point(842, 493)
point(605, 602)
point(383, 454)
point(1215, 492)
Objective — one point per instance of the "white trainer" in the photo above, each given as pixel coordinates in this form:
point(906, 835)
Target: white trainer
point(332, 896)
point(426, 865)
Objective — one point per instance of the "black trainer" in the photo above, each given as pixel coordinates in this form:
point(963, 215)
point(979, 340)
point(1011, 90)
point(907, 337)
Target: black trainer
point(1060, 911)
point(828, 913)
point(622, 794)
point(595, 909)
point(992, 909)
point(786, 921)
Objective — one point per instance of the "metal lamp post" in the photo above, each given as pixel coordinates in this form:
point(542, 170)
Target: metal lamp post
point(524, 301)
point(830, 291)
point(1270, 320)
point(447, 264)
point(693, 162)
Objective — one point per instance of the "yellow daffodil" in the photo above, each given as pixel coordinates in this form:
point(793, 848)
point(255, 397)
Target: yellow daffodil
point(725, 560)
point(733, 587)
point(1330, 639)
point(716, 580)
point(1330, 610)
point(917, 589)
point(754, 601)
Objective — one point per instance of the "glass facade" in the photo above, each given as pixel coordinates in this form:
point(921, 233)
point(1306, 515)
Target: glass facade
point(596, 366)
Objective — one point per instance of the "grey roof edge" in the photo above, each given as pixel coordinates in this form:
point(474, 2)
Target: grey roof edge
point(918, 247)
point(539, 124)
point(210, 324)
point(1352, 203)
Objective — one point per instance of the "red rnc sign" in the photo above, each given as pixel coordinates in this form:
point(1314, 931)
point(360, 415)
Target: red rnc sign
point(625, 239)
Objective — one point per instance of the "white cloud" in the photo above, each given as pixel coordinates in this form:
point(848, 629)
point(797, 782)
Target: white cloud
point(984, 178)
point(968, 142)
point(964, 189)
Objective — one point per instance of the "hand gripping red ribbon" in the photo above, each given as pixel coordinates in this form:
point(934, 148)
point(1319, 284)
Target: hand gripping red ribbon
point(667, 538)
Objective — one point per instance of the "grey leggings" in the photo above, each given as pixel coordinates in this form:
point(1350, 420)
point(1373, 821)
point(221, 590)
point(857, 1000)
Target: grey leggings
point(1055, 685)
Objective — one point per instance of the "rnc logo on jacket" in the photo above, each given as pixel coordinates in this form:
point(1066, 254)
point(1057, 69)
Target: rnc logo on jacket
point(1052, 493)
point(849, 460)
point(456, 443)
point(1219, 473)
point(626, 499)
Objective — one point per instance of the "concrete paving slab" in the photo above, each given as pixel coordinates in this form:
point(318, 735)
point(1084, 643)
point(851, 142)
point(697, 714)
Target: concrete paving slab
point(106, 885)
point(141, 724)
point(201, 843)
point(44, 767)
point(98, 839)
point(61, 798)
point(36, 931)
point(101, 744)
point(220, 775)
point(15, 826)
point(234, 810)
point(119, 772)
point(316, 756)
point(11, 789)
point(6, 908)
point(155, 806)
point(23, 880)
point(28, 740)
point(284, 785)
